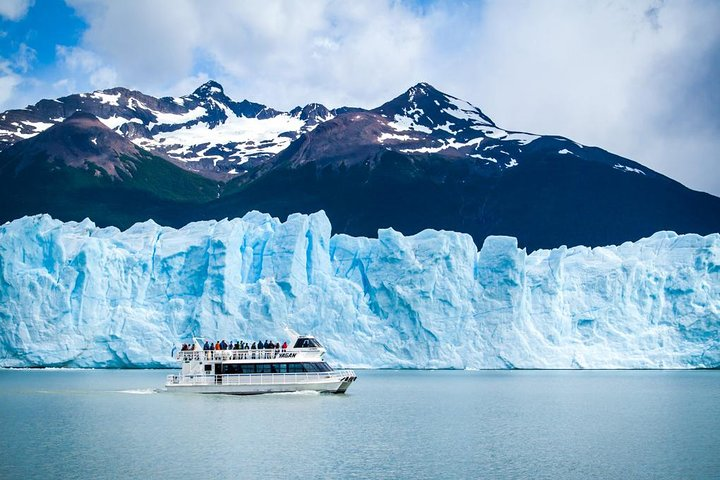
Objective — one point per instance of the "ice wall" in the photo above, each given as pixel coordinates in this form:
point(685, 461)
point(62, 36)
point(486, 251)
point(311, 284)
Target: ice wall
point(72, 294)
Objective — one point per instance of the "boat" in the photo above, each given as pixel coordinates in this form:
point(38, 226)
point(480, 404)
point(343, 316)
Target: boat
point(255, 371)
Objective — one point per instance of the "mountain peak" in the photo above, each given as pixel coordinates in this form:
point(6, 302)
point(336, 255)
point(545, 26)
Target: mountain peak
point(209, 88)
point(427, 108)
point(81, 116)
point(80, 141)
point(422, 89)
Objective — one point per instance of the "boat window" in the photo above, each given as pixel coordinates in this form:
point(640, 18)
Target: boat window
point(279, 368)
point(247, 368)
point(310, 367)
point(263, 368)
point(323, 367)
point(295, 367)
point(306, 343)
point(208, 368)
point(233, 369)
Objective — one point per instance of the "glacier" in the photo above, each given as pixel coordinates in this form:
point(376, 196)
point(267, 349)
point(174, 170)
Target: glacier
point(75, 295)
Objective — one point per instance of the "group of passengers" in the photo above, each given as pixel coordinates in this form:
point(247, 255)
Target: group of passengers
point(238, 345)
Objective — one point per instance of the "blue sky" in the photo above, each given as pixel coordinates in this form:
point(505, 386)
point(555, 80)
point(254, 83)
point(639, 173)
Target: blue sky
point(42, 28)
point(636, 77)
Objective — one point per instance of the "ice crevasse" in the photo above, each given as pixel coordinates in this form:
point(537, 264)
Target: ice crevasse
point(73, 294)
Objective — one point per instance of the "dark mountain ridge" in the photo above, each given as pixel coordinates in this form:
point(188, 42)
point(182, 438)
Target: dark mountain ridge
point(205, 131)
point(429, 160)
point(422, 160)
point(80, 168)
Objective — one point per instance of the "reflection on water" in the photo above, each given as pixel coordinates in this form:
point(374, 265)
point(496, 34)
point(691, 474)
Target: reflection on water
point(391, 424)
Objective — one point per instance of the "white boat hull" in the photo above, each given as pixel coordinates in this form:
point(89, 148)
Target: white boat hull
point(331, 382)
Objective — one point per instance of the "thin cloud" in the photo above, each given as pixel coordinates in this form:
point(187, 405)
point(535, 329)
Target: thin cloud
point(14, 10)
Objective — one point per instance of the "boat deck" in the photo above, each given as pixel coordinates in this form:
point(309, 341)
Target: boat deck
point(237, 355)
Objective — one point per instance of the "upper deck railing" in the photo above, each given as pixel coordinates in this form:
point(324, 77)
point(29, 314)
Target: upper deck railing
point(247, 354)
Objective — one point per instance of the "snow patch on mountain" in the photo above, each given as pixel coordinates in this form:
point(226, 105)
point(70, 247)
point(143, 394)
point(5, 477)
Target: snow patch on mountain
point(403, 123)
point(27, 129)
point(626, 168)
point(390, 136)
point(72, 294)
point(253, 136)
point(445, 145)
point(178, 118)
point(106, 98)
point(463, 110)
point(113, 122)
point(520, 138)
point(481, 157)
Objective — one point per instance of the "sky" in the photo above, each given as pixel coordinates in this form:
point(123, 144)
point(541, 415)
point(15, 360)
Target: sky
point(640, 78)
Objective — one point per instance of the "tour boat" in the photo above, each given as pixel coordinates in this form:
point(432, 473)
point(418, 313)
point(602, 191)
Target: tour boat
point(253, 371)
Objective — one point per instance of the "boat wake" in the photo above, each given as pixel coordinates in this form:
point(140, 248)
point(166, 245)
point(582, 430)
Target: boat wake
point(140, 391)
point(300, 392)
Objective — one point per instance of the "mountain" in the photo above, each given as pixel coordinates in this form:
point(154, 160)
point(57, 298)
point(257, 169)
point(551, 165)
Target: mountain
point(80, 168)
point(205, 130)
point(430, 160)
point(425, 159)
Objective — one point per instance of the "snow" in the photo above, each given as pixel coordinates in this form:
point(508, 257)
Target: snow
point(36, 126)
point(404, 124)
point(446, 127)
point(106, 98)
point(489, 159)
point(565, 151)
point(235, 129)
point(464, 111)
point(390, 136)
point(179, 118)
point(625, 168)
point(445, 144)
point(521, 138)
point(424, 149)
point(499, 134)
point(491, 132)
point(73, 294)
point(511, 163)
point(113, 122)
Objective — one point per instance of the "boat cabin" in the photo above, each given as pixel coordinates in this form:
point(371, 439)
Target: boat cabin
point(253, 370)
point(305, 356)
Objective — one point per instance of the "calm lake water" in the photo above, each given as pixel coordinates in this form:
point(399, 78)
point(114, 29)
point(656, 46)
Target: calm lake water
point(391, 424)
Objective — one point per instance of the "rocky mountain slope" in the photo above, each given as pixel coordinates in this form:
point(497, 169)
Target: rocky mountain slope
point(429, 160)
point(80, 168)
point(425, 159)
point(206, 130)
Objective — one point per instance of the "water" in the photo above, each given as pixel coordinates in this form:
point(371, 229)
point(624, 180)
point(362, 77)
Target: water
point(391, 424)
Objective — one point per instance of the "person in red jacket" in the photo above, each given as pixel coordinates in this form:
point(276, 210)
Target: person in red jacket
point(284, 346)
